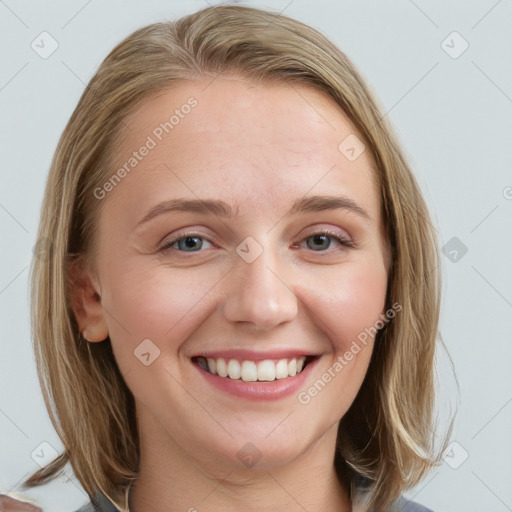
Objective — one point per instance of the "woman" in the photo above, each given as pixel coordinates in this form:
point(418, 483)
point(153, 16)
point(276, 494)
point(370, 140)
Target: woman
point(240, 305)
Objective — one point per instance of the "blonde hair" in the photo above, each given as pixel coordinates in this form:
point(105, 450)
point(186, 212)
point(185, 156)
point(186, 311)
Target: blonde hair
point(385, 440)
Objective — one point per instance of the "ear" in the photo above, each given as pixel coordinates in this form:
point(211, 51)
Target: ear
point(86, 303)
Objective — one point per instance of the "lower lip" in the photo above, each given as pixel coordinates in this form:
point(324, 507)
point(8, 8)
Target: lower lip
point(273, 390)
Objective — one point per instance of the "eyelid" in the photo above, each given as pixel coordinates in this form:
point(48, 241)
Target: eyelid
point(318, 230)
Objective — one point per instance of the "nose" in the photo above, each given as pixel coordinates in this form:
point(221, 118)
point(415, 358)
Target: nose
point(258, 294)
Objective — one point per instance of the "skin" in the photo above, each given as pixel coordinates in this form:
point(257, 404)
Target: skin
point(258, 147)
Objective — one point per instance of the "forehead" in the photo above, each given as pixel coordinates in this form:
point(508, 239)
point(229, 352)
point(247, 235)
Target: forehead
point(248, 142)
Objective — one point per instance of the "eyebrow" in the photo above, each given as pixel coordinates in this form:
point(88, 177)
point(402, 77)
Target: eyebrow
point(310, 204)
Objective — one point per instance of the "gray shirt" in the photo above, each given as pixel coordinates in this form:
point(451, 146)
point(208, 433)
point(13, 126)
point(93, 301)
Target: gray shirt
point(104, 505)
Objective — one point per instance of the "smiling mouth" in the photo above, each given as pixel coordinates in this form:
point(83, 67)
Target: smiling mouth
point(266, 370)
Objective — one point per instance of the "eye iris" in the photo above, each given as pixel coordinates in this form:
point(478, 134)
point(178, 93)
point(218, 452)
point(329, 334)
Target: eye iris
point(324, 241)
point(190, 242)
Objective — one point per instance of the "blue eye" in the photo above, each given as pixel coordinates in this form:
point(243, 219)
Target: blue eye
point(317, 242)
point(323, 241)
point(188, 243)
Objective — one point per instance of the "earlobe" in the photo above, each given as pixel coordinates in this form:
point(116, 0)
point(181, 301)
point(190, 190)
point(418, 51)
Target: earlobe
point(86, 304)
point(98, 332)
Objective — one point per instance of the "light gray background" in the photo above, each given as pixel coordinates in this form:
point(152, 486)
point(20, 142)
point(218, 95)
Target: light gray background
point(454, 117)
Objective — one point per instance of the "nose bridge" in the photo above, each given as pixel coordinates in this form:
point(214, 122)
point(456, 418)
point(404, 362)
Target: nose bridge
point(259, 295)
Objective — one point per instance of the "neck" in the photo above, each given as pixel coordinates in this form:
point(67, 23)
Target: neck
point(173, 479)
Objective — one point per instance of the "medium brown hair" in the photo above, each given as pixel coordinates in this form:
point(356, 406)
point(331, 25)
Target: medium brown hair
point(385, 440)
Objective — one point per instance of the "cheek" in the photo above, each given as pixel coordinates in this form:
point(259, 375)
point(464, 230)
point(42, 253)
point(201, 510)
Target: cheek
point(157, 304)
point(347, 310)
point(348, 304)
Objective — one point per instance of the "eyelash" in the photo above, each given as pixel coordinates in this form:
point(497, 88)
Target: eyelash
point(344, 242)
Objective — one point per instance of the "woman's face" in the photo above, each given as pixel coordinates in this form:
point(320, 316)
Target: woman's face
point(246, 238)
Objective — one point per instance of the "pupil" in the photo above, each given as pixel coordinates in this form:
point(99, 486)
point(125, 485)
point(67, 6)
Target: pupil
point(191, 242)
point(323, 240)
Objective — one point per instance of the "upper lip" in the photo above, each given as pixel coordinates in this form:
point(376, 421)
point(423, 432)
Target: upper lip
point(251, 355)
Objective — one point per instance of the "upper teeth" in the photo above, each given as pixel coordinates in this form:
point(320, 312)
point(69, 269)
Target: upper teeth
point(251, 371)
